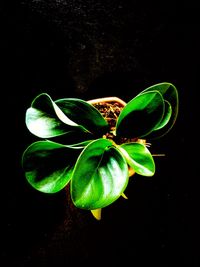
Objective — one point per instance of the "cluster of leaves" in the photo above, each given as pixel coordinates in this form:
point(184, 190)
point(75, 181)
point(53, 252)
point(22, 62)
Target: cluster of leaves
point(95, 167)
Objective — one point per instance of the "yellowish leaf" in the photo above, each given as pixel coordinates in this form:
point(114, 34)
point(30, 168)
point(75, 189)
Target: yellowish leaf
point(124, 196)
point(97, 213)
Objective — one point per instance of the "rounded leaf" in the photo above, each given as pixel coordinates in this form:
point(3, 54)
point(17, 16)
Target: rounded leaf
point(139, 158)
point(45, 119)
point(83, 114)
point(141, 115)
point(48, 165)
point(170, 95)
point(100, 176)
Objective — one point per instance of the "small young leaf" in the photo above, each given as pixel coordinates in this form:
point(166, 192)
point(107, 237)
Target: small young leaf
point(170, 95)
point(48, 165)
point(100, 176)
point(141, 115)
point(139, 158)
point(97, 214)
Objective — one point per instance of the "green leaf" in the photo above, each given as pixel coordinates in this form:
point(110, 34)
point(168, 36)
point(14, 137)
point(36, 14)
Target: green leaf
point(48, 165)
point(170, 95)
point(100, 175)
point(139, 158)
point(45, 119)
point(141, 115)
point(83, 114)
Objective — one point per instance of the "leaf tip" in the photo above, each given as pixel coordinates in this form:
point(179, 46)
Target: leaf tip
point(97, 213)
point(124, 196)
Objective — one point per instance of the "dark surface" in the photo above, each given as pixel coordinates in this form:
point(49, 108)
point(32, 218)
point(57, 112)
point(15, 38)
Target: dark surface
point(89, 49)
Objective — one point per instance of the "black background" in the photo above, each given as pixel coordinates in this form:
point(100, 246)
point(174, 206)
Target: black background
point(89, 49)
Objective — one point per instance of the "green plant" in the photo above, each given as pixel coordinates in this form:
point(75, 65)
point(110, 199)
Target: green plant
point(93, 158)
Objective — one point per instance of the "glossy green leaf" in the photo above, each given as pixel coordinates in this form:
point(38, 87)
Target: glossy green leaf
point(83, 114)
point(45, 119)
point(141, 115)
point(170, 95)
point(48, 165)
point(100, 175)
point(139, 158)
